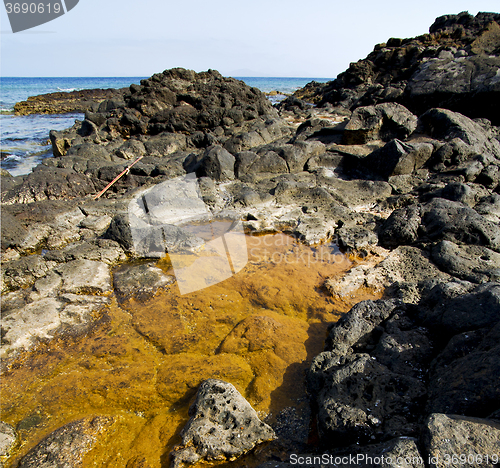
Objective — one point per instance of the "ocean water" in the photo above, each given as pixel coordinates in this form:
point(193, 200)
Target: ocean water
point(24, 140)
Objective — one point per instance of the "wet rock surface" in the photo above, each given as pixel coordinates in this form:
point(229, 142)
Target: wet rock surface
point(67, 446)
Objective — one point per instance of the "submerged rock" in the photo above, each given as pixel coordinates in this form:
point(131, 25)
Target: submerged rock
point(142, 280)
point(66, 446)
point(223, 426)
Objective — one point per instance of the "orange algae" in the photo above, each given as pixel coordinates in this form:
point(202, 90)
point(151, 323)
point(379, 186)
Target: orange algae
point(142, 363)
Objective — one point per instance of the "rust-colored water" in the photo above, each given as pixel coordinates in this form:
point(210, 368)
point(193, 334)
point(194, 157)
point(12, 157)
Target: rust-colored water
point(142, 362)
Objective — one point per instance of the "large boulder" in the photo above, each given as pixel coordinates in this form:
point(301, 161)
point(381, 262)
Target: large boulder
point(218, 164)
point(183, 108)
point(165, 144)
point(465, 138)
point(361, 399)
point(181, 100)
point(297, 155)
point(267, 162)
point(381, 122)
point(401, 228)
point(367, 384)
point(397, 158)
point(468, 84)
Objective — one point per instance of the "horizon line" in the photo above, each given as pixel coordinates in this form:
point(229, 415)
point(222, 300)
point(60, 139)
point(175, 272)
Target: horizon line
point(145, 77)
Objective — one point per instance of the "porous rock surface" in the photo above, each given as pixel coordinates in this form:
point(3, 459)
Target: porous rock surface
point(223, 426)
point(459, 440)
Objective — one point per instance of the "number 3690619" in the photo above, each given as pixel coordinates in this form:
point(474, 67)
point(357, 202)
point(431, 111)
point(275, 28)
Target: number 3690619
point(33, 8)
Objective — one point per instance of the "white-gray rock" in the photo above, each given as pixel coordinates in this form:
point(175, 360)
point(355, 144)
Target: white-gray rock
point(85, 276)
point(8, 438)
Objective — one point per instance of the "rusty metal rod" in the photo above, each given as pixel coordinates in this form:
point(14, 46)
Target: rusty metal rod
point(116, 178)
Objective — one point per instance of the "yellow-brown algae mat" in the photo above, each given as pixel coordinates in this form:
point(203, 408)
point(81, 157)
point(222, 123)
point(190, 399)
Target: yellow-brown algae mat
point(142, 361)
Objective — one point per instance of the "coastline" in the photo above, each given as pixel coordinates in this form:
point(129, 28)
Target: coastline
point(410, 196)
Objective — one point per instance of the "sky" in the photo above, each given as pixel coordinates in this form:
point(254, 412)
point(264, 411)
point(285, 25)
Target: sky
point(274, 38)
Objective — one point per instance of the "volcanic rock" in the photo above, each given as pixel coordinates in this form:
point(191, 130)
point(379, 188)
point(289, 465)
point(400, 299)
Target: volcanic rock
point(223, 426)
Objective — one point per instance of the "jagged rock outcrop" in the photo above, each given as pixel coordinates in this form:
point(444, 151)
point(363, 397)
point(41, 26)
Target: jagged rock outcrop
point(454, 66)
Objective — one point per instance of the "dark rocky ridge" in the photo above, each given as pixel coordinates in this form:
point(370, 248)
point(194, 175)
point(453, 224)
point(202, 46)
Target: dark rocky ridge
point(454, 66)
point(417, 191)
point(68, 102)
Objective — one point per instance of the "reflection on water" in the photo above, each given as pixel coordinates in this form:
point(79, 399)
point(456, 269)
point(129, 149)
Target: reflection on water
point(142, 361)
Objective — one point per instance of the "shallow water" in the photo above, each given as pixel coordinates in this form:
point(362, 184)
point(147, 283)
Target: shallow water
point(24, 139)
point(142, 361)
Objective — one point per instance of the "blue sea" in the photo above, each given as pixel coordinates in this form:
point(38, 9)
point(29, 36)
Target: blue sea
point(24, 140)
